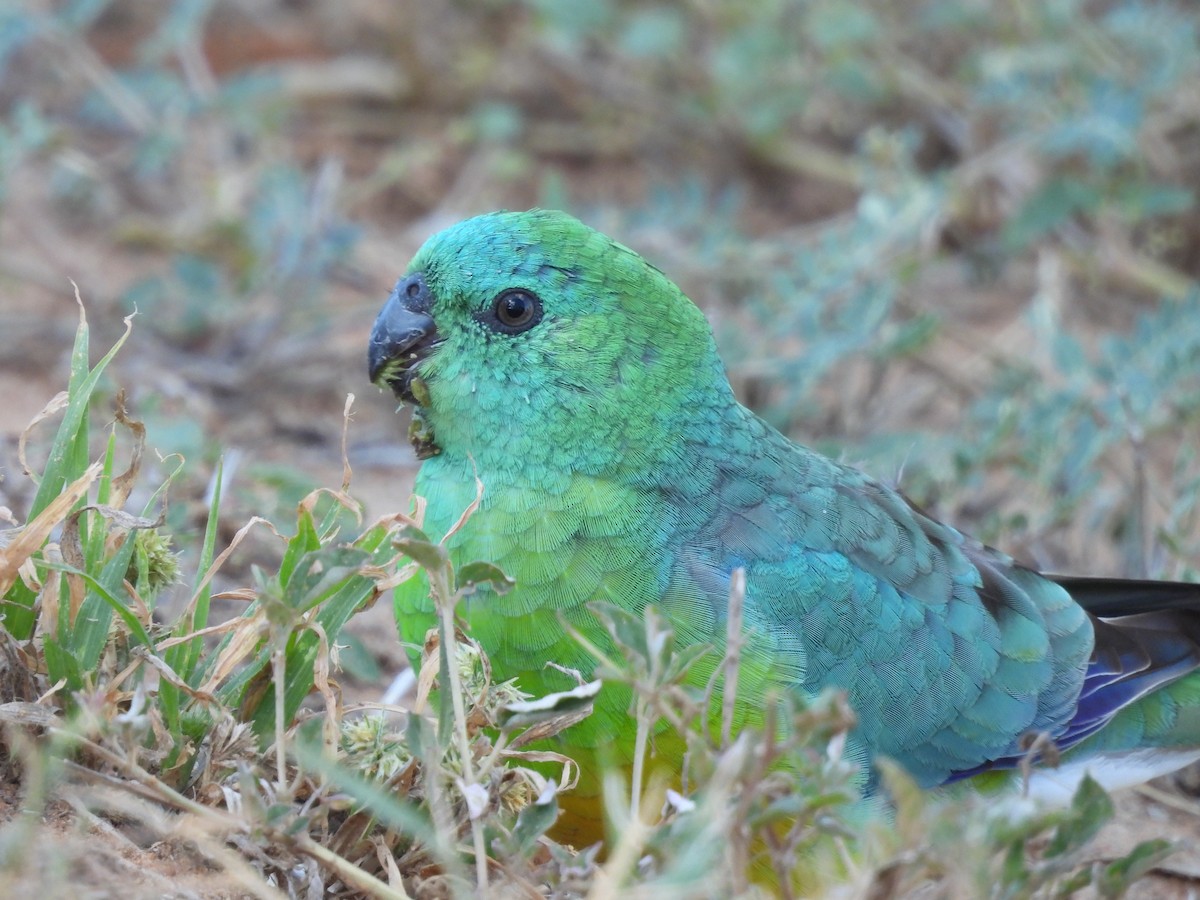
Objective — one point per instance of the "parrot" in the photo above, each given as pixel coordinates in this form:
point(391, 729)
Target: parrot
point(583, 390)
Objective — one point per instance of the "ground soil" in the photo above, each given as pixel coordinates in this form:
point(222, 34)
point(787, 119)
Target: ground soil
point(280, 404)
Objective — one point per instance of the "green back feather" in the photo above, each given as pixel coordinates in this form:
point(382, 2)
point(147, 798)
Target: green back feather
point(618, 466)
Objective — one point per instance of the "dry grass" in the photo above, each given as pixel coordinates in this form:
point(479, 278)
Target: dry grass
point(900, 249)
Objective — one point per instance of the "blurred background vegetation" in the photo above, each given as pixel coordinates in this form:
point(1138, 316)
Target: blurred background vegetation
point(956, 243)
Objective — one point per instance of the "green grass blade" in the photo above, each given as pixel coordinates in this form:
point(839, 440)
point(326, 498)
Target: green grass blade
point(67, 461)
point(114, 604)
point(91, 627)
point(183, 658)
point(336, 609)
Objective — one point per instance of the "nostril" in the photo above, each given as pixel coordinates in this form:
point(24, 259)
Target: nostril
point(412, 293)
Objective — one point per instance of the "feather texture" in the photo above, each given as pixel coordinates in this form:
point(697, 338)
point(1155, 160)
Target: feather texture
point(618, 466)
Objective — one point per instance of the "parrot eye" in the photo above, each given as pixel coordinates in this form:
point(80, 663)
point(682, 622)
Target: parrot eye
point(514, 311)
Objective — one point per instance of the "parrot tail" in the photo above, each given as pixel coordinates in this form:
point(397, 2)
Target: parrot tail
point(1138, 713)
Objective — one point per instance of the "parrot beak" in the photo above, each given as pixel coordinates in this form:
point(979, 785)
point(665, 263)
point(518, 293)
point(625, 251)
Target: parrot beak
point(404, 334)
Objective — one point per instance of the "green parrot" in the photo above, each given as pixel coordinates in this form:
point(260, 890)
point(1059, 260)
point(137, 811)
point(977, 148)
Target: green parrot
point(585, 392)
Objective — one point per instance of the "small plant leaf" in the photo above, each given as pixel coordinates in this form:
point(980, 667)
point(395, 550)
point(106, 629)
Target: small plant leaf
point(470, 576)
point(523, 713)
point(319, 573)
point(414, 544)
point(1118, 875)
point(535, 820)
point(1091, 808)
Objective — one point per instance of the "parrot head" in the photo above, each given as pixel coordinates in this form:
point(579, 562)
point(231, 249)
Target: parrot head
point(527, 338)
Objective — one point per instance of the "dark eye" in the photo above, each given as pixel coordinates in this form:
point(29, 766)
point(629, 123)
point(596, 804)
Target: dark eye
point(515, 310)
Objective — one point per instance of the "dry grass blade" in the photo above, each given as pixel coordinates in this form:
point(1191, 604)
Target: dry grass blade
point(33, 535)
point(956, 240)
point(53, 407)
